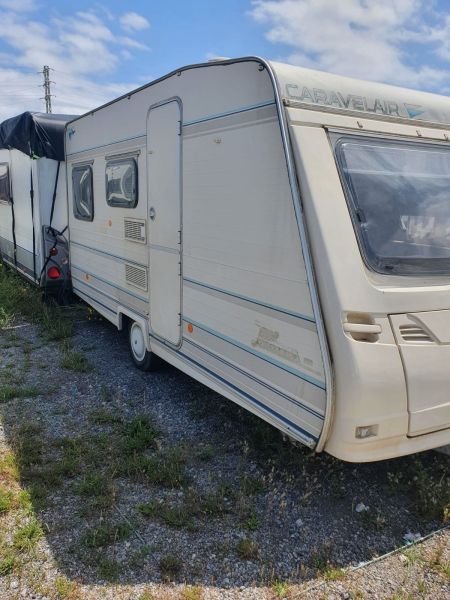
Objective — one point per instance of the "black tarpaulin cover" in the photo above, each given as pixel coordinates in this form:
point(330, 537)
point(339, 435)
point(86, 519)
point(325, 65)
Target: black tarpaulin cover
point(35, 134)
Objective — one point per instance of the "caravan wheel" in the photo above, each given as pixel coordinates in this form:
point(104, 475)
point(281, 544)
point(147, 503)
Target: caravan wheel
point(142, 358)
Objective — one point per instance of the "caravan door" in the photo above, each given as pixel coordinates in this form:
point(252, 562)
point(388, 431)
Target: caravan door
point(164, 212)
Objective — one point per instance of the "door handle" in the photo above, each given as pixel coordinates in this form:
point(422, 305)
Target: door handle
point(152, 213)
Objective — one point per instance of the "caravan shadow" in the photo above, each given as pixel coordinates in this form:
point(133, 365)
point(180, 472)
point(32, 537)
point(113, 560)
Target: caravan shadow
point(139, 478)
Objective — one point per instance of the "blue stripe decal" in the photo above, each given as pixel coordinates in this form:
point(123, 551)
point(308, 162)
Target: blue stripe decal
point(262, 383)
point(252, 300)
point(235, 111)
point(185, 124)
point(109, 283)
point(260, 405)
point(97, 302)
point(268, 359)
point(108, 254)
point(102, 293)
point(135, 137)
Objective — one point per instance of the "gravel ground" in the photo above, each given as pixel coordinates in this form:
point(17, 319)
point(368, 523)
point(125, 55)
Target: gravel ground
point(280, 520)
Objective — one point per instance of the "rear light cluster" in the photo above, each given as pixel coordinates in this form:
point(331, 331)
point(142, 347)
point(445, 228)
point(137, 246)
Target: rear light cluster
point(53, 273)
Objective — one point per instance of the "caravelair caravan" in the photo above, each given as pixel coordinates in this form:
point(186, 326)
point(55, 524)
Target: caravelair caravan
point(33, 206)
point(283, 236)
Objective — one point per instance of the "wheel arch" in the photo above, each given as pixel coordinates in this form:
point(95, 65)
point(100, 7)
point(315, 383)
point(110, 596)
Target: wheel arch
point(124, 315)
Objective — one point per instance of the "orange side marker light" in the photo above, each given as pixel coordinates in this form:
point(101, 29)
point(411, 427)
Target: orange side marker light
point(190, 328)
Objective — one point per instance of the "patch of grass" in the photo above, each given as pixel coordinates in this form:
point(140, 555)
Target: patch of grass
point(252, 522)
point(173, 516)
point(66, 589)
point(146, 595)
point(11, 378)
point(166, 469)
point(8, 561)
point(373, 519)
point(280, 588)
point(105, 393)
point(137, 557)
point(205, 452)
point(426, 480)
point(250, 485)
point(320, 558)
point(11, 392)
point(6, 500)
point(105, 534)
point(101, 416)
point(27, 536)
point(333, 573)
point(247, 549)
point(94, 484)
point(139, 434)
point(28, 444)
point(182, 515)
point(191, 592)
point(9, 469)
point(422, 587)
point(213, 503)
point(75, 361)
point(148, 509)
point(18, 297)
point(108, 569)
point(438, 563)
point(170, 565)
point(6, 318)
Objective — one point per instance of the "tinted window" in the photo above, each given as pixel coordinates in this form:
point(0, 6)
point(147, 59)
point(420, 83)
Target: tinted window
point(399, 195)
point(121, 182)
point(5, 189)
point(83, 197)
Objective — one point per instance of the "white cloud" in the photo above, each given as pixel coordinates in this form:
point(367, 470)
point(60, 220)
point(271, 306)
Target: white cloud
point(80, 47)
point(18, 5)
point(131, 21)
point(130, 43)
point(360, 38)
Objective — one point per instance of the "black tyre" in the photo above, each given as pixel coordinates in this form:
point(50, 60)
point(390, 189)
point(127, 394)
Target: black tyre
point(142, 358)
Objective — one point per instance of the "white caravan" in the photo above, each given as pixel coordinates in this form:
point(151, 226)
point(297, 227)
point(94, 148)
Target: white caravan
point(33, 205)
point(283, 236)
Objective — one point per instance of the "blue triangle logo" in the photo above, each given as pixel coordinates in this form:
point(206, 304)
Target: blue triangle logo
point(414, 110)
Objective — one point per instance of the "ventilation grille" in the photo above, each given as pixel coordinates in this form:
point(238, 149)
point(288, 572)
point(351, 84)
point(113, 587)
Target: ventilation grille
point(415, 334)
point(136, 276)
point(135, 230)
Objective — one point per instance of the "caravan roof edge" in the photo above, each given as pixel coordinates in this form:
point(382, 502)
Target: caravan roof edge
point(214, 63)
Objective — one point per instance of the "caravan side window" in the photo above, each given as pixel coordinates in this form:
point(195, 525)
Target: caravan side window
point(5, 186)
point(121, 182)
point(83, 196)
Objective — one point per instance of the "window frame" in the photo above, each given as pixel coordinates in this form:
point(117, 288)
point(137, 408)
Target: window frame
point(372, 260)
point(76, 213)
point(114, 160)
point(8, 200)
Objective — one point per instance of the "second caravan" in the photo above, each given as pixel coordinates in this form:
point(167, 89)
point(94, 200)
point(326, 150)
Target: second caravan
point(33, 207)
point(281, 235)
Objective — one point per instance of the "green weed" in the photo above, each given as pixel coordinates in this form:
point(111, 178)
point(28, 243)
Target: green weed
point(247, 549)
point(26, 536)
point(105, 534)
point(11, 392)
point(75, 361)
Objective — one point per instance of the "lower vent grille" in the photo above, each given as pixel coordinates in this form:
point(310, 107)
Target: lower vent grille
point(415, 334)
point(136, 276)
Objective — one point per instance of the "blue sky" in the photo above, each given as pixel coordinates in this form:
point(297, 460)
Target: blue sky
point(99, 50)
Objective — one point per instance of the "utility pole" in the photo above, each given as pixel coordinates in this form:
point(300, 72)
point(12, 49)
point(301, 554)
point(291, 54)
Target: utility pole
point(46, 85)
